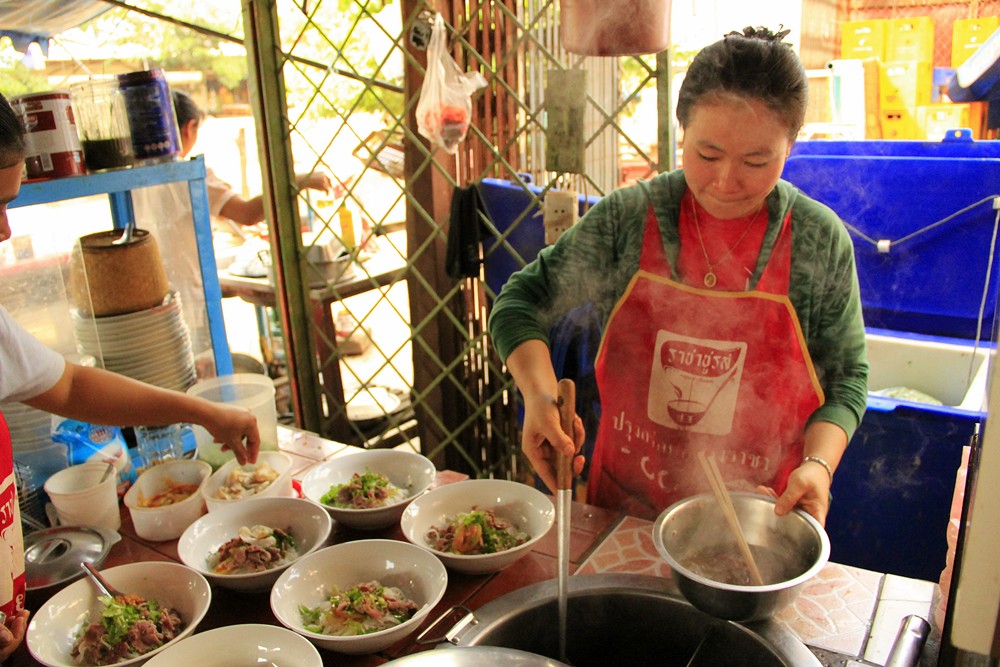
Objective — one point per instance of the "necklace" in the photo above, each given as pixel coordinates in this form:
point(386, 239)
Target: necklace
point(710, 277)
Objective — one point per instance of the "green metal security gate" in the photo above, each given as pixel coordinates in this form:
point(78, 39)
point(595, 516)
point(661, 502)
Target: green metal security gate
point(321, 71)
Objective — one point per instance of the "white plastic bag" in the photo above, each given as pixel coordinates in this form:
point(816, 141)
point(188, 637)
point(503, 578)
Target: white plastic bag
point(445, 107)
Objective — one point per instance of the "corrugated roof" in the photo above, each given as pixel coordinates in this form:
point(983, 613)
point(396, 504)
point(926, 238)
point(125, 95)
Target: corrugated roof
point(27, 21)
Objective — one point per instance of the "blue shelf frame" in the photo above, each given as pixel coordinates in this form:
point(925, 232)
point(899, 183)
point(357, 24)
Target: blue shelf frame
point(118, 185)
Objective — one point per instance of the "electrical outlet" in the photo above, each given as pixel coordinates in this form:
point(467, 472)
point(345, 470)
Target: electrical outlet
point(559, 213)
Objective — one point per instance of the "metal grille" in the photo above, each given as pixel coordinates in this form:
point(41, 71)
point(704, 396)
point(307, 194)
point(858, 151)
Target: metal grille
point(349, 76)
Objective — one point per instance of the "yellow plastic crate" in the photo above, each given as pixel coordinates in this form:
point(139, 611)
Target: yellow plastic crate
point(904, 84)
point(934, 120)
point(898, 124)
point(863, 39)
point(910, 39)
point(967, 35)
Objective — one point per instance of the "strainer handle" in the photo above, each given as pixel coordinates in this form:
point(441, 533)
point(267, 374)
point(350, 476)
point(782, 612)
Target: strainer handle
point(460, 618)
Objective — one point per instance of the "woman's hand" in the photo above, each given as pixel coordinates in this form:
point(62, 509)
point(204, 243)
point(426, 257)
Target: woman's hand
point(808, 488)
point(317, 180)
point(543, 439)
point(236, 430)
point(12, 633)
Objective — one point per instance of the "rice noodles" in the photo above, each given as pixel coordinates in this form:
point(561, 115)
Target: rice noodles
point(363, 609)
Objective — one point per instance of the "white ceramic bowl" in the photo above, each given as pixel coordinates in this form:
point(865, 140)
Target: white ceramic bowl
point(53, 628)
point(281, 487)
point(240, 645)
point(306, 522)
point(167, 522)
point(310, 580)
point(408, 470)
point(527, 508)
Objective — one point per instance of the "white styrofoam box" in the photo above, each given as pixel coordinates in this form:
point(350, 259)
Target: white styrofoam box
point(952, 372)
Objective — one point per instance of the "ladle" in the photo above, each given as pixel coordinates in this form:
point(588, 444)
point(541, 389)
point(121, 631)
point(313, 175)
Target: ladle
point(564, 500)
point(127, 235)
point(99, 580)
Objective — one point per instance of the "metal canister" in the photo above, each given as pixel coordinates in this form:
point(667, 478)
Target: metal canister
point(151, 117)
point(53, 144)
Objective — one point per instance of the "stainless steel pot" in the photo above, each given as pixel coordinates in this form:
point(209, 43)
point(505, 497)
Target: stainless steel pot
point(795, 545)
point(627, 618)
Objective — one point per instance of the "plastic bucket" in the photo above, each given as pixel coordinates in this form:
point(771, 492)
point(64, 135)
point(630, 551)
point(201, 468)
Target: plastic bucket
point(82, 499)
point(248, 390)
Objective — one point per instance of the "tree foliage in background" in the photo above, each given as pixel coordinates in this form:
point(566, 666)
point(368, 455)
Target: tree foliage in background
point(352, 36)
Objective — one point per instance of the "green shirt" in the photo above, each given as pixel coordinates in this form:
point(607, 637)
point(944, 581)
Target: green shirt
point(594, 261)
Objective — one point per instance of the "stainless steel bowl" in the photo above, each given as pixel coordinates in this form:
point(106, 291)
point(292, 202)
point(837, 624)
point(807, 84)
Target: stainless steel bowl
point(694, 538)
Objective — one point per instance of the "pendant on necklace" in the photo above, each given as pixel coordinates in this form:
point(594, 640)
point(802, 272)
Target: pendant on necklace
point(710, 279)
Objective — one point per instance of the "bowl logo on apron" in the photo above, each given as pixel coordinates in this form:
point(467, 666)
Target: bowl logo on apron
point(694, 383)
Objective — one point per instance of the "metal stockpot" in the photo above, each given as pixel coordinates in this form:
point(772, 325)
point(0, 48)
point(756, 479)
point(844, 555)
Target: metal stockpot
point(632, 619)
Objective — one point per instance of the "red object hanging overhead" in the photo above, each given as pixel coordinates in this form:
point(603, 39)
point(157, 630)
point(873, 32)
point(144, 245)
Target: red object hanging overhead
point(614, 27)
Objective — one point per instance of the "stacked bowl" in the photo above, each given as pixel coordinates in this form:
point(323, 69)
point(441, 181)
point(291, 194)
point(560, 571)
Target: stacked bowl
point(152, 345)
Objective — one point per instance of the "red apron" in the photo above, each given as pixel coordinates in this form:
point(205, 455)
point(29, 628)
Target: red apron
point(12, 581)
point(683, 369)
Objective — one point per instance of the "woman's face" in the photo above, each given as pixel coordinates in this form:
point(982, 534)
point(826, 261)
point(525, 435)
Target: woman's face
point(734, 151)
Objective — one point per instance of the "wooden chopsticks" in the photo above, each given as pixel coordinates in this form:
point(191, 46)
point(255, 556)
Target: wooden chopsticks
point(729, 511)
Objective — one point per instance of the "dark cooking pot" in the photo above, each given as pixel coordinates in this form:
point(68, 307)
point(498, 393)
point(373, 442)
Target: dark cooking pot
point(630, 619)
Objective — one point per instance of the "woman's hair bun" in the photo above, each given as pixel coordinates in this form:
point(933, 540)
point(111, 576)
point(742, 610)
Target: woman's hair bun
point(761, 33)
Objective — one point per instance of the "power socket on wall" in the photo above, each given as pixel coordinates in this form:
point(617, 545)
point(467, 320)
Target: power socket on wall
point(559, 213)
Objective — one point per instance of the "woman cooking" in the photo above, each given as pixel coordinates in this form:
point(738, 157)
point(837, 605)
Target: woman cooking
point(732, 315)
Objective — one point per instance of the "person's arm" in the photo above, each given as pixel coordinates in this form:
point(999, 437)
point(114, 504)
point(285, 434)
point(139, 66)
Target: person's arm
point(542, 437)
point(251, 211)
point(102, 397)
point(836, 339)
point(591, 262)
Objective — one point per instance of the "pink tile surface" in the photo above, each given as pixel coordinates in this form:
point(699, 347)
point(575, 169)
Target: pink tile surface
point(629, 548)
point(833, 611)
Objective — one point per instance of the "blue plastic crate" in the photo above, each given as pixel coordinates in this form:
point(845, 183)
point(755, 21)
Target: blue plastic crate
point(940, 280)
point(516, 211)
point(893, 488)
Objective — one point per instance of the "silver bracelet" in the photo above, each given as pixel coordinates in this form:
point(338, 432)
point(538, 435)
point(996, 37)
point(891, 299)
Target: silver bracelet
point(822, 462)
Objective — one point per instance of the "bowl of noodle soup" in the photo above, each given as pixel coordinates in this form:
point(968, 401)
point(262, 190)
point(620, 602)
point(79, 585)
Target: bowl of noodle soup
point(503, 521)
point(57, 627)
point(269, 476)
point(369, 489)
point(166, 498)
point(403, 581)
point(240, 547)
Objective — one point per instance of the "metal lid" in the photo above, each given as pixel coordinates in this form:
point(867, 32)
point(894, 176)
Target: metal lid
point(52, 556)
point(474, 656)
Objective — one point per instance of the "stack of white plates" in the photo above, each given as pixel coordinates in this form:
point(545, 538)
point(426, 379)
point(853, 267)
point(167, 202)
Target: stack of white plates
point(152, 345)
point(29, 428)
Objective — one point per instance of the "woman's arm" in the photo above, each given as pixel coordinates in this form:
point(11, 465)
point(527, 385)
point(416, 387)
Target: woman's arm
point(542, 437)
point(102, 397)
point(251, 211)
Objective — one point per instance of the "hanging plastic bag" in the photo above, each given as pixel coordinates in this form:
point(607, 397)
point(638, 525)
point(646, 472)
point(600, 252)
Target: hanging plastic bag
point(445, 106)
